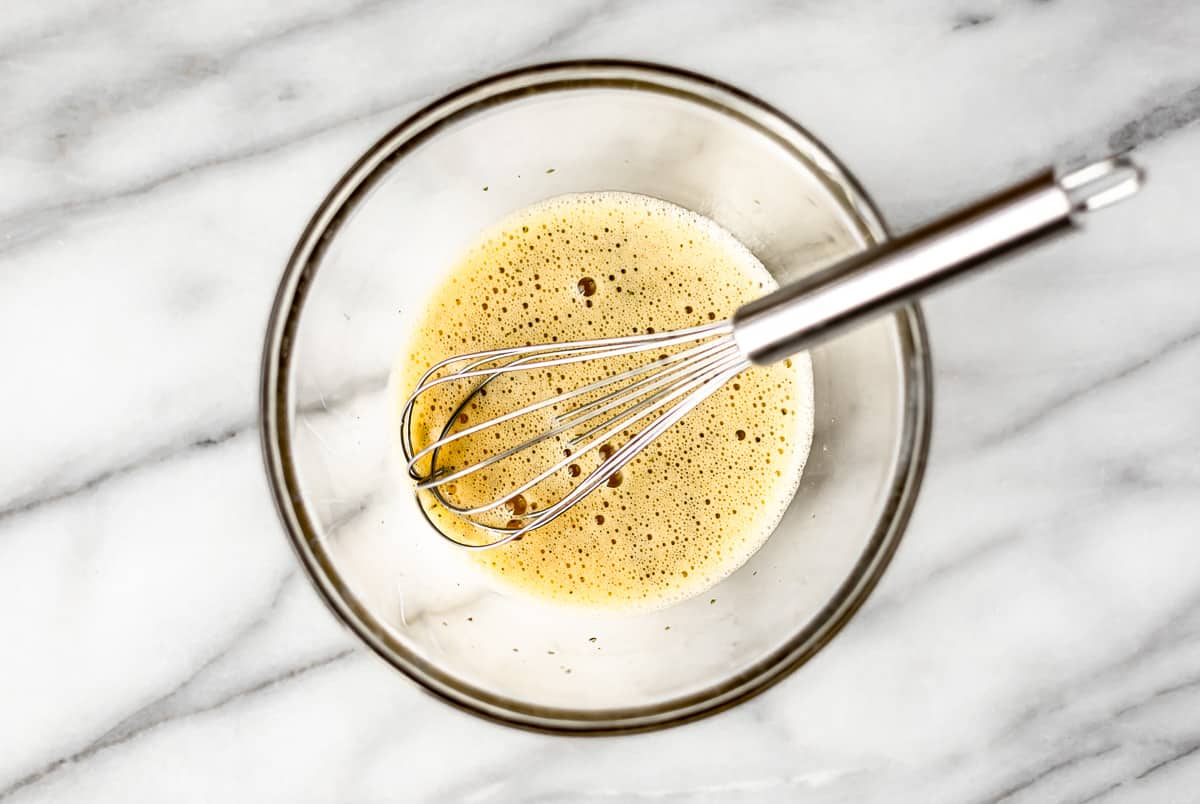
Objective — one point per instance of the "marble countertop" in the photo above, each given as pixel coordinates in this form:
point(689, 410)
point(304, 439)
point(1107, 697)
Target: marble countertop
point(1037, 637)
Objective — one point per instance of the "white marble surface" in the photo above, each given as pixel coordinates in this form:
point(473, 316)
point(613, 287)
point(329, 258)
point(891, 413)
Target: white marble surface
point(1038, 635)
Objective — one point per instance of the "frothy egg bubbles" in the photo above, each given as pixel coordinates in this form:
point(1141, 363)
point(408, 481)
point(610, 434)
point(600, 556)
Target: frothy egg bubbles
point(707, 493)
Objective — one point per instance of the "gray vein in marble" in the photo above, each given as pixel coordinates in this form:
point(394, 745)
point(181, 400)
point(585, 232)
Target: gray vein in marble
point(1179, 112)
point(1096, 727)
point(170, 705)
point(969, 19)
point(160, 709)
point(1165, 351)
point(884, 603)
point(1152, 648)
point(166, 453)
point(1051, 769)
point(183, 70)
point(1162, 692)
point(155, 456)
point(1181, 754)
point(1184, 753)
point(30, 225)
point(1126, 475)
point(1101, 793)
point(1163, 640)
point(238, 694)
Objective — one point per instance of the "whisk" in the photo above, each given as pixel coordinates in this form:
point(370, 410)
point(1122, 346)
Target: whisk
point(678, 370)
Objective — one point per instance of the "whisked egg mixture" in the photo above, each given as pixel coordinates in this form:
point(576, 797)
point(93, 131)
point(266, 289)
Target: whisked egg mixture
point(706, 494)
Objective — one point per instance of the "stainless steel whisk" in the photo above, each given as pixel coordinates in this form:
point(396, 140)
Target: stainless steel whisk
point(659, 392)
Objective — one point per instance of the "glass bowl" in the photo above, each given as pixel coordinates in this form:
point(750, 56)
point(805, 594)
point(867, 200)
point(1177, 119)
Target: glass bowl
point(350, 297)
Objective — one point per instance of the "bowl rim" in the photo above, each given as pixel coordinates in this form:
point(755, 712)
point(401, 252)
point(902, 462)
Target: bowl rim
point(275, 393)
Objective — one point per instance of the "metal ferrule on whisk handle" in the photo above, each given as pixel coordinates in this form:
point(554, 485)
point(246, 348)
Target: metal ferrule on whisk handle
point(894, 273)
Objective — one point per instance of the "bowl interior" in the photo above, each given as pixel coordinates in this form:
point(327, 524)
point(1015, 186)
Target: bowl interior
point(351, 298)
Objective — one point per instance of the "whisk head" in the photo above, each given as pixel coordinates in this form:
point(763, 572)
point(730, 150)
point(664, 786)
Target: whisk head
point(501, 437)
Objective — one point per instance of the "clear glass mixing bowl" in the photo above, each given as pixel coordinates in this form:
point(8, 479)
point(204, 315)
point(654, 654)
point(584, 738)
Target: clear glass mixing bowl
point(349, 298)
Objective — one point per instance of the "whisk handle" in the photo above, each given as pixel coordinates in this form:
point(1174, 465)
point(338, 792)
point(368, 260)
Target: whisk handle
point(893, 273)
